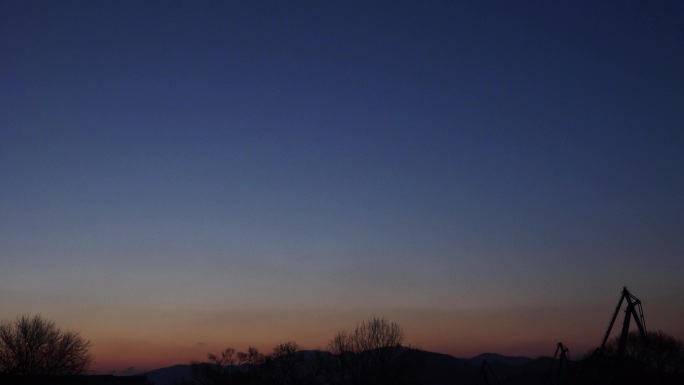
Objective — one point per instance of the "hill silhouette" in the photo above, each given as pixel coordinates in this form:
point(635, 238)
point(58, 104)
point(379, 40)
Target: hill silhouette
point(492, 358)
point(428, 368)
point(431, 368)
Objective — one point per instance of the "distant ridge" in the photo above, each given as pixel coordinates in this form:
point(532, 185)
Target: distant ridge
point(170, 375)
point(436, 368)
point(498, 358)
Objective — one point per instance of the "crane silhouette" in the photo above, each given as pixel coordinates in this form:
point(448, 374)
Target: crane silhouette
point(634, 310)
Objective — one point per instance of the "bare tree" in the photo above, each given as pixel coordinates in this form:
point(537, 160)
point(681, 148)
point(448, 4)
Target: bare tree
point(379, 339)
point(219, 368)
point(229, 367)
point(352, 366)
point(285, 363)
point(35, 346)
point(367, 354)
point(658, 352)
point(227, 357)
point(251, 358)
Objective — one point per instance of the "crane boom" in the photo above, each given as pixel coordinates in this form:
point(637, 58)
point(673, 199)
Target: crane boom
point(633, 303)
point(561, 356)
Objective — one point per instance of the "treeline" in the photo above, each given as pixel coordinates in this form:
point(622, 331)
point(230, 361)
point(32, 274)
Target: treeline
point(655, 356)
point(372, 353)
point(33, 349)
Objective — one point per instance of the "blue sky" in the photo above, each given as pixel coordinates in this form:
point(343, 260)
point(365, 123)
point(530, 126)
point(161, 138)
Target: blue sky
point(292, 168)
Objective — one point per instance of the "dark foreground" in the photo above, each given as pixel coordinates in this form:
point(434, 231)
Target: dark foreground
point(74, 380)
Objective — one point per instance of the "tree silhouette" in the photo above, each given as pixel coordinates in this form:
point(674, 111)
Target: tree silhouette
point(227, 357)
point(228, 367)
point(35, 346)
point(659, 352)
point(285, 364)
point(368, 353)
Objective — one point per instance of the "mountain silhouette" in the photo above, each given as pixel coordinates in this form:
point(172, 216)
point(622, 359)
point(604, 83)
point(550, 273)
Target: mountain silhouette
point(430, 367)
point(494, 358)
point(170, 375)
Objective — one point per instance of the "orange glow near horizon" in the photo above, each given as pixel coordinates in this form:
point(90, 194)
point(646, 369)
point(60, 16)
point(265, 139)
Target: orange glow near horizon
point(516, 332)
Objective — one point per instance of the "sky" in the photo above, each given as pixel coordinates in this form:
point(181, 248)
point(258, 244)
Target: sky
point(179, 177)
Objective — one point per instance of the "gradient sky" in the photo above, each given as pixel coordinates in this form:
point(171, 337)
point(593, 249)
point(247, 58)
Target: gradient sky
point(178, 177)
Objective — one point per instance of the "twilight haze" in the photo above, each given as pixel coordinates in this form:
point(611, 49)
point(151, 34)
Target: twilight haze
point(179, 177)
